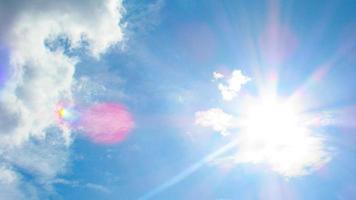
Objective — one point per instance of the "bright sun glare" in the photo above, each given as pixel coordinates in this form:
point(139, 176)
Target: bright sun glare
point(275, 134)
point(273, 122)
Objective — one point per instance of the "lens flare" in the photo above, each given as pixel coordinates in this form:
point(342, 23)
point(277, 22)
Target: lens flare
point(62, 113)
point(106, 123)
point(275, 134)
point(67, 116)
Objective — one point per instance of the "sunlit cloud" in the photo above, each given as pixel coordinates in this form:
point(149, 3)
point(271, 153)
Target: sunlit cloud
point(216, 119)
point(232, 85)
point(217, 75)
point(42, 44)
point(44, 72)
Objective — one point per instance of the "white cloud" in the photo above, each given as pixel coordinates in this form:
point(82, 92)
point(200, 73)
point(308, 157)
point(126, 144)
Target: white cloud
point(42, 77)
point(217, 75)
point(39, 35)
point(232, 86)
point(214, 118)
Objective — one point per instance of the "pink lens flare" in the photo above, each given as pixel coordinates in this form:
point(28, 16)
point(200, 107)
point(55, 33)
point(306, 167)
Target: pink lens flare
point(106, 123)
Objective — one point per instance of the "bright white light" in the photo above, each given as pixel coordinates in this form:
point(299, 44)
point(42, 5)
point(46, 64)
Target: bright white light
point(274, 134)
point(272, 122)
point(215, 118)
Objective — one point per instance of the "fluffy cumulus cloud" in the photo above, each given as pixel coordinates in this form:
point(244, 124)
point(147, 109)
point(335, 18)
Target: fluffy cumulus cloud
point(216, 119)
point(43, 39)
point(232, 85)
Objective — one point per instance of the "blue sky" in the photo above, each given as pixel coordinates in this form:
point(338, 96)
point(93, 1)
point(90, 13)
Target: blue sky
point(158, 60)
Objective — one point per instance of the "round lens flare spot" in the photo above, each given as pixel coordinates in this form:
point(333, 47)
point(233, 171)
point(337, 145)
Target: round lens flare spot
point(106, 123)
point(62, 112)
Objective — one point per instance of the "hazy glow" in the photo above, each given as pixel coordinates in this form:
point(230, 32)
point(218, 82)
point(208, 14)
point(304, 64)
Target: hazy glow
point(106, 123)
point(67, 112)
point(275, 134)
point(63, 112)
point(273, 122)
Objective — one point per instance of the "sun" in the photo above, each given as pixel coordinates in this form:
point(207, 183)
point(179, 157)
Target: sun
point(272, 120)
point(275, 133)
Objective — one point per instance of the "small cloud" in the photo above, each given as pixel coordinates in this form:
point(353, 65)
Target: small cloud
point(217, 75)
point(233, 85)
point(215, 118)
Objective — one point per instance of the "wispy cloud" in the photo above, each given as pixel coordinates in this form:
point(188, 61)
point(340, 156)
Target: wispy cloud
point(80, 184)
point(97, 187)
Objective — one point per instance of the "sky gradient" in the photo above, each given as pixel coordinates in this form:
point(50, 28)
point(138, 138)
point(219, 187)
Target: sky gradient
point(179, 99)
